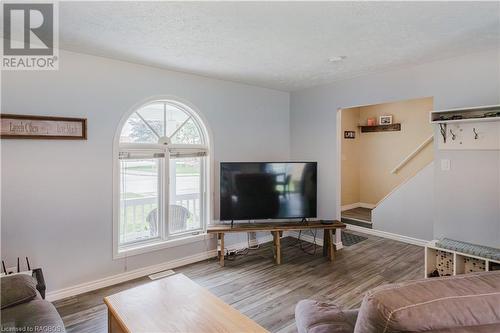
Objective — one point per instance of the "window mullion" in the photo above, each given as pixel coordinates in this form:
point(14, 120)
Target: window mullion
point(164, 119)
point(179, 128)
point(148, 125)
point(166, 194)
point(203, 188)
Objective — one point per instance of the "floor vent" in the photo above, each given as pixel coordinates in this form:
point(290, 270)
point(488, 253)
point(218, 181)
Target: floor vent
point(161, 275)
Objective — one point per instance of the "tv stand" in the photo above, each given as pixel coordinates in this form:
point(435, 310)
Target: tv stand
point(276, 229)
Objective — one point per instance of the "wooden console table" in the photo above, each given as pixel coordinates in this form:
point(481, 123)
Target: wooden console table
point(276, 230)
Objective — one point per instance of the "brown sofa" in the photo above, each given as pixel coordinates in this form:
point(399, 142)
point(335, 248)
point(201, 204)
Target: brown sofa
point(459, 304)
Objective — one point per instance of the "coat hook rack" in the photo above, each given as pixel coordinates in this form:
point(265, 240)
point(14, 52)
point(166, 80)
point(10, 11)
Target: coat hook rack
point(470, 128)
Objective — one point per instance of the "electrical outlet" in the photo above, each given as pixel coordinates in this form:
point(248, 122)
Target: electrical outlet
point(445, 165)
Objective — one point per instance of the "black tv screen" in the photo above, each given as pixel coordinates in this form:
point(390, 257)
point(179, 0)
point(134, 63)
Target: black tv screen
point(267, 190)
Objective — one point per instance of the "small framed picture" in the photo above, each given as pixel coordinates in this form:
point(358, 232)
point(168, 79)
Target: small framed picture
point(385, 120)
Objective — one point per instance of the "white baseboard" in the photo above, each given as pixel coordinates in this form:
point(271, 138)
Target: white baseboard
point(244, 245)
point(310, 239)
point(384, 234)
point(389, 235)
point(357, 205)
point(140, 272)
point(144, 271)
point(306, 237)
point(126, 276)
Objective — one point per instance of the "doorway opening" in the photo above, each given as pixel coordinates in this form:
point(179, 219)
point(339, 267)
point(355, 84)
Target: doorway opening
point(382, 146)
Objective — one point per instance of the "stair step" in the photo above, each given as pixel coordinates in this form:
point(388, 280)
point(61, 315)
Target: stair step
point(357, 222)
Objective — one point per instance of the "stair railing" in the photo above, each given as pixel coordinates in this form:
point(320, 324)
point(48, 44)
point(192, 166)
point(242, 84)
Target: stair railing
point(414, 153)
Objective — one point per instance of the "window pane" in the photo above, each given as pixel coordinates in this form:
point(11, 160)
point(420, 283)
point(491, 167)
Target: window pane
point(175, 118)
point(188, 134)
point(185, 194)
point(136, 131)
point(154, 115)
point(139, 198)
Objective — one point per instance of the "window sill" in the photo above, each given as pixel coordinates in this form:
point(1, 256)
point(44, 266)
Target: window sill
point(159, 245)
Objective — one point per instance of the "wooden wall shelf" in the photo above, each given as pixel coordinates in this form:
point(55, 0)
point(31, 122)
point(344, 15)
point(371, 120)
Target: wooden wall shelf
point(380, 128)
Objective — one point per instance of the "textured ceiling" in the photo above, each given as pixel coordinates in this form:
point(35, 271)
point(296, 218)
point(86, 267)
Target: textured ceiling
point(281, 45)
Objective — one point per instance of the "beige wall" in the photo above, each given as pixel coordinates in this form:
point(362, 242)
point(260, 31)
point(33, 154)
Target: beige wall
point(366, 171)
point(350, 157)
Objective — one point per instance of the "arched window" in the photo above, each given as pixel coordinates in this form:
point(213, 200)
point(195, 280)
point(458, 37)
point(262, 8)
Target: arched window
point(162, 167)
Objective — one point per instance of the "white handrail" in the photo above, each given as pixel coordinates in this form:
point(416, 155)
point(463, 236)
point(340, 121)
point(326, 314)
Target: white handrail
point(413, 154)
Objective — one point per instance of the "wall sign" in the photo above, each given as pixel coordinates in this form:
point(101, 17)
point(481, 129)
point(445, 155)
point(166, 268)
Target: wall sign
point(349, 134)
point(14, 126)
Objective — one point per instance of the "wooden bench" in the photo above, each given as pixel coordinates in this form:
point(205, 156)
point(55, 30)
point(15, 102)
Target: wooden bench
point(276, 230)
point(174, 304)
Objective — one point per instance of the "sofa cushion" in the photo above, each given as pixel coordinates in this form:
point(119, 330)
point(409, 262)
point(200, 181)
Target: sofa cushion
point(16, 289)
point(432, 304)
point(35, 316)
point(315, 317)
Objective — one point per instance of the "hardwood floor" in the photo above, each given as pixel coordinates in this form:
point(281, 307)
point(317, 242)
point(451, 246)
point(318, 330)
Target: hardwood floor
point(268, 293)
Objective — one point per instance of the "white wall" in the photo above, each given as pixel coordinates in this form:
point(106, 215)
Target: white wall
point(468, 204)
point(396, 216)
point(469, 80)
point(57, 195)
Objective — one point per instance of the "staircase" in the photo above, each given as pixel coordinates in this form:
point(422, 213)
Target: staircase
point(407, 209)
point(360, 216)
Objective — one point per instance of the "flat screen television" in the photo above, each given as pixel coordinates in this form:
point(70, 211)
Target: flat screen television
point(267, 190)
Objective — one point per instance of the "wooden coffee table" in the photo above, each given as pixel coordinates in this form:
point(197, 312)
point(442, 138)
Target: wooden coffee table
point(174, 304)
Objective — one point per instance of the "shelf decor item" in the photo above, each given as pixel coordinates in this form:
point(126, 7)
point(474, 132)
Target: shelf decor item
point(15, 126)
point(385, 120)
point(371, 122)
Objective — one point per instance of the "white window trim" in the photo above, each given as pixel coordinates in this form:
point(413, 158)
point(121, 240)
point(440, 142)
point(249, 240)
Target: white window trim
point(176, 240)
point(160, 245)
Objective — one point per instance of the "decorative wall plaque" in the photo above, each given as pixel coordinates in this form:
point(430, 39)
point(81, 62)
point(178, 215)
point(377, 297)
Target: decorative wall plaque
point(14, 126)
point(349, 134)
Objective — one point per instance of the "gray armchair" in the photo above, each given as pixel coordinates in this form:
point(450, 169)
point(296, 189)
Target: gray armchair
point(24, 310)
